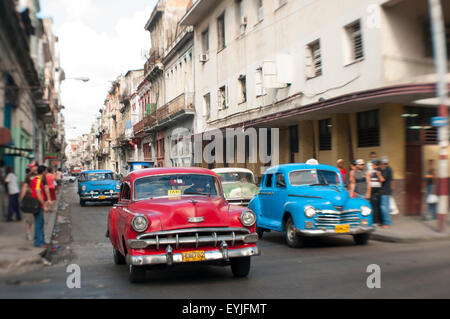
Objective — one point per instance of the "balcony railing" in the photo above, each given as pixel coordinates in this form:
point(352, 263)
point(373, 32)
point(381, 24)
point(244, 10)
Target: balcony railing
point(182, 103)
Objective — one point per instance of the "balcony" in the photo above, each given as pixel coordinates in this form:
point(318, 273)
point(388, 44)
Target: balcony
point(146, 123)
point(176, 110)
point(153, 66)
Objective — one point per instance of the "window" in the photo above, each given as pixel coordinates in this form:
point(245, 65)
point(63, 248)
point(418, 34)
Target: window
point(368, 129)
point(325, 135)
point(281, 183)
point(240, 17)
point(268, 181)
point(147, 155)
point(222, 98)
point(221, 32)
point(355, 42)
point(242, 88)
point(259, 83)
point(125, 192)
point(293, 141)
point(207, 105)
point(260, 9)
point(205, 41)
point(313, 60)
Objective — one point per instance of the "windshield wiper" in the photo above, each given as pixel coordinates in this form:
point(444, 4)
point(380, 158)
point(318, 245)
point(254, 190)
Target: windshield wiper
point(197, 193)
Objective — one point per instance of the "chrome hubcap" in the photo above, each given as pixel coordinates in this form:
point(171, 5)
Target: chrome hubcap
point(291, 232)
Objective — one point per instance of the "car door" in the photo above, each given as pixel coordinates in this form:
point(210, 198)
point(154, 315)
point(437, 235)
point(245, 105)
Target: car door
point(279, 199)
point(122, 211)
point(266, 197)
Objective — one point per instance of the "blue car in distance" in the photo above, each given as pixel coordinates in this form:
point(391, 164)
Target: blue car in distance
point(302, 200)
point(98, 186)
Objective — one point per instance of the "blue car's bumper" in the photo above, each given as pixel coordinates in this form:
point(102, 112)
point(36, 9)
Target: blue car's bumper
point(331, 232)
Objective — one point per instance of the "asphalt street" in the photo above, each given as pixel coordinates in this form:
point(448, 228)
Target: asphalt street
point(326, 268)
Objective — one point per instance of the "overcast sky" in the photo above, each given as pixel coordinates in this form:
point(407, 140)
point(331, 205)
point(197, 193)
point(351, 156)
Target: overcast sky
point(100, 39)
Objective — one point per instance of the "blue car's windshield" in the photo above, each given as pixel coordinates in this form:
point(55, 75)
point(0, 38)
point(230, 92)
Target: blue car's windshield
point(92, 177)
point(314, 177)
point(176, 185)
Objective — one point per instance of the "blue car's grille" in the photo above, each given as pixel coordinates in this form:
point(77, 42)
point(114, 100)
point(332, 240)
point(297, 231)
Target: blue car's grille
point(329, 219)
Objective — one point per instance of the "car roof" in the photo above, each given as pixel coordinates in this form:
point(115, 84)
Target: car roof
point(97, 171)
point(231, 170)
point(168, 170)
point(287, 168)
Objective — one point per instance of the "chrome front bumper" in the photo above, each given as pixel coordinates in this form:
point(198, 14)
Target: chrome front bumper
point(169, 258)
point(331, 232)
point(96, 197)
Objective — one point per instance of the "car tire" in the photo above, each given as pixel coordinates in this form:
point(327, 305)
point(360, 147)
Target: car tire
point(82, 203)
point(260, 232)
point(361, 239)
point(292, 239)
point(240, 267)
point(136, 274)
point(119, 259)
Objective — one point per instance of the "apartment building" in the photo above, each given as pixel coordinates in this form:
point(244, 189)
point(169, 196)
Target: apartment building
point(165, 96)
point(340, 79)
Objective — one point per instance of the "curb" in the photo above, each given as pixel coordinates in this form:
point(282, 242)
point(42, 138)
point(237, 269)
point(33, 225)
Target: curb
point(396, 239)
point(47, 252)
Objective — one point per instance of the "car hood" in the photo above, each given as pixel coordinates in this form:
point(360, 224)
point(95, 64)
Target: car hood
point(239, 190)
point(337, 197)
point(175, 213)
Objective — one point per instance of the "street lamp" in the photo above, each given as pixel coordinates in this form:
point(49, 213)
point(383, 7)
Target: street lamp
point(80, 78)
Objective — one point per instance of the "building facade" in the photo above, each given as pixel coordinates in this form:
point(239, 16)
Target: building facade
point(354, 81)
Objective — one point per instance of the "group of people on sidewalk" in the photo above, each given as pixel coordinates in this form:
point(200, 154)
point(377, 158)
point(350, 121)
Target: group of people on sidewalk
point(371, 181)
point(43, 185)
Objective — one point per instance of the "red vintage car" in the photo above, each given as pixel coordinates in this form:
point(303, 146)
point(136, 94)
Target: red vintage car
point(168, 216)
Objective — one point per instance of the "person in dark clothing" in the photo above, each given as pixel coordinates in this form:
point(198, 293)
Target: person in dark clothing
point(376, 180)
point(431, 183)
point(386, 192)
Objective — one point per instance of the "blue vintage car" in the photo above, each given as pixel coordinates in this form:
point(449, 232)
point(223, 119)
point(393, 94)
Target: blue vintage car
point(98, 185)
point(302, 200)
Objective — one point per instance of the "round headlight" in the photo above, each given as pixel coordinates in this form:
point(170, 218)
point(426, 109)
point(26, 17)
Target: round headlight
point(248, 218)
point(83, 188)
point(139, 223)
point(117, 186)
point(310, 212)
point(365, 211)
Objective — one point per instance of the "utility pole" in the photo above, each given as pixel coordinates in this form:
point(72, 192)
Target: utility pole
point(440, 58)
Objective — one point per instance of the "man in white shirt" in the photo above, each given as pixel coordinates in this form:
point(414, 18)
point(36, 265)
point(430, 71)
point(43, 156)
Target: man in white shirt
point(13, 192)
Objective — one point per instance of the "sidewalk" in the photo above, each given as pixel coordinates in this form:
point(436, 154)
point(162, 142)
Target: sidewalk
point(15, 250)
point(409, 229)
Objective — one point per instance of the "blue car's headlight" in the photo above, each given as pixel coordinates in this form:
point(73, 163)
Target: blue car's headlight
point(310, 212)
point(83, 188)
point(117, 186)
point(365, 211)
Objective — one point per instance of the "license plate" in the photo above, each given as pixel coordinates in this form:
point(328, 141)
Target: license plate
point(342, 228)
point(193, 256)
point(102, 197)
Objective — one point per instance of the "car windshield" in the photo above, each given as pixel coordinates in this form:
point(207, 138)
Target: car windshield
point(233, 177)
point(176, 186)
point(314, 177)
point(93, 177)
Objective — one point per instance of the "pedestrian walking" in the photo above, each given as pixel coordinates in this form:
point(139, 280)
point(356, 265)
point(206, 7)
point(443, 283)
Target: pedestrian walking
point(376, 180)
point(372, 157)
point(360, 181)
point(49, 218)
point(37, 191)
point(29, 219)
point(340, 165)
point(58, 180)
point(13, 193)
point(431, 184)
point(386, 192)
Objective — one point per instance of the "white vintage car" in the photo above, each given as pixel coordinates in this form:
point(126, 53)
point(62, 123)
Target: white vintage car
point(238, 184)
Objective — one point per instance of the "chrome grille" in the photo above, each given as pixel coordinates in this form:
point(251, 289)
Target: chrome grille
point(194, 237)
point(329, 218)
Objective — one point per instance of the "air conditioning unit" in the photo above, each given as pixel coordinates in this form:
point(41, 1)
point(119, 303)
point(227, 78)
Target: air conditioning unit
point(203, 57)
